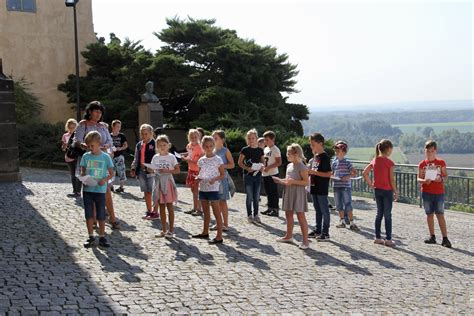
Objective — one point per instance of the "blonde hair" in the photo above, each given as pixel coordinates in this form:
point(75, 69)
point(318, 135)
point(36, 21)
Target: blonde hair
point(194, 131)
point(208, 139)
point(92, 136)
point(146, 126)
point(69, 122)
point(116, 122)
point(162, 138)
point(382, 147)
point(296, 149)
point(253, 131)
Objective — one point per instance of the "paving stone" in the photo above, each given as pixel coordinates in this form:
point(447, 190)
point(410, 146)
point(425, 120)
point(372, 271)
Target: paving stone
point(45, 270)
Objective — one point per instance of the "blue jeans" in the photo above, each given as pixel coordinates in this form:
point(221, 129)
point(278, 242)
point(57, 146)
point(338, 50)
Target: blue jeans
point(343, 199)
point(252, 188)
point(433, 203)
point(321, 205)
point(384, 200)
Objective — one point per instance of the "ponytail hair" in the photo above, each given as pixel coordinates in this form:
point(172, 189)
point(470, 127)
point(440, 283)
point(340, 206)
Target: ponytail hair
point(221, 135)
point(382, 147)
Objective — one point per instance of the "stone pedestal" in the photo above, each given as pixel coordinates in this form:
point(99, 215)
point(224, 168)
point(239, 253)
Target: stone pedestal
point(9, 161)
point(150, 113)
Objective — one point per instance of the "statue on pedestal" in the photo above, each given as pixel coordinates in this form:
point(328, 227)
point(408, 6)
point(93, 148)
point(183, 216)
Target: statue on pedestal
point(150, 110)
point(149, 96)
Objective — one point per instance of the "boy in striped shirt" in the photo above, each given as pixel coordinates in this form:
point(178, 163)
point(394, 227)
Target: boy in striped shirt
point(342, 173)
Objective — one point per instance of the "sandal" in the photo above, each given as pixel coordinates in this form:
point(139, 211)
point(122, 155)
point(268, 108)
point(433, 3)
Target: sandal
point(160, 235)
point(115, 225)
point(189, 212)
point(286, 241)
point(216, 241)
point(197, 213)
point(201, 236)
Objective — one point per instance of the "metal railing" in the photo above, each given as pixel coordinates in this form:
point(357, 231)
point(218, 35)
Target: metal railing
point(459, 189)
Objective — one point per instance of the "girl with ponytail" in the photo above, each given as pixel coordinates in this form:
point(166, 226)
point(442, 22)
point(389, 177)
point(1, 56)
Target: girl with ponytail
point(385, 189)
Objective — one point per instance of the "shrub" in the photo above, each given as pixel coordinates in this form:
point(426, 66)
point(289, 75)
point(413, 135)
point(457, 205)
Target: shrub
point(40, 141)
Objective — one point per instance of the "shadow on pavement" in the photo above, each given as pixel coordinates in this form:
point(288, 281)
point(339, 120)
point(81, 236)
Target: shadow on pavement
point(40, 265)
point(323, 259)
point(360, 255)
point(234, 255)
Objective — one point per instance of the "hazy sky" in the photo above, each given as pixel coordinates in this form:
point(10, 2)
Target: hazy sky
point(347, 52)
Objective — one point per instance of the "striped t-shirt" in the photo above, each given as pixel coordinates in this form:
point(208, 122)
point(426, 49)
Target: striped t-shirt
point(341, 168)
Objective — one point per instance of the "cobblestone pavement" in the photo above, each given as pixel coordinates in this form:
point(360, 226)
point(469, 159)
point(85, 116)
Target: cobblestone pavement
point(44, 268)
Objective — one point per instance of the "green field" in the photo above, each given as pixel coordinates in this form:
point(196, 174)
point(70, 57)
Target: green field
point(462, 127)
point(367, 153)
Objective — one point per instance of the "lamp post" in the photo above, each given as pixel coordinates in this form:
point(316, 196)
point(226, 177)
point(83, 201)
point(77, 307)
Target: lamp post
point(73, 3)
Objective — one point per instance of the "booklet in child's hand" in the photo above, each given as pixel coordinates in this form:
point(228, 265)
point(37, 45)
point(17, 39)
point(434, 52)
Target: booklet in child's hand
point(88, 180)
point(431, 174)
point(151, 166)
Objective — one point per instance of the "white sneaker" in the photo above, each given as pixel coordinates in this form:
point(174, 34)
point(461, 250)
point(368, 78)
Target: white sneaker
point(250, 219)
point(304, 246)
point(169, 235)
point(225, 228)
point(257, 219)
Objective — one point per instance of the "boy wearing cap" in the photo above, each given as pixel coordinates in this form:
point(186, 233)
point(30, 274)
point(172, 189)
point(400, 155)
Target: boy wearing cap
point(342, 173)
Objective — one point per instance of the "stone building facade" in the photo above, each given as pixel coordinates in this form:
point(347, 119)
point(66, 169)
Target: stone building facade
point(37, 43)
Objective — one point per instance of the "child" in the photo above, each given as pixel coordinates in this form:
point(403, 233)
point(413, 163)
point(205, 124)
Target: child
point(120, 145)
point(294, 196)
point(98, 165)
point(261, 142)
point(252, 156)
point(70, 127)
point(384, 187)
point(194, 153)
point(272, 156)
point(432, 191)
point(144, 152)
point(224, 190)
point(165, 192)
point(343, 170)
point(320, 173)
point(211, 172)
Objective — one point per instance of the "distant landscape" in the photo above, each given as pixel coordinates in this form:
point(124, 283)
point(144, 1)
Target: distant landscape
point(408, 126)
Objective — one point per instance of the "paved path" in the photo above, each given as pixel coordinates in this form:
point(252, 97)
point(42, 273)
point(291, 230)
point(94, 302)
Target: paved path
point(44, 269)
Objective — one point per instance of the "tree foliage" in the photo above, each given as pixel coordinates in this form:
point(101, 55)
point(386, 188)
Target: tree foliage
point(204, 75)
point(28, 107)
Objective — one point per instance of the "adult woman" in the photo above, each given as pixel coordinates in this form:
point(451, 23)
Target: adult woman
point(93, 122)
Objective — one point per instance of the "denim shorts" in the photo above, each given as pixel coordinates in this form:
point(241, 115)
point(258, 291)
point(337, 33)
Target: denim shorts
point(433, 203)
point(343, 199)
point(147, 180)
point(92, 199)
point(209, 196)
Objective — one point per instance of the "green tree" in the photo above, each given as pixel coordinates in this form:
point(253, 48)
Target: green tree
point(204, 75)
point(28, 107)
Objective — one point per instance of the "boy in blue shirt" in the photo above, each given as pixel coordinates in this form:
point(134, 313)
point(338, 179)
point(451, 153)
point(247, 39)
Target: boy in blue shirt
point(100, 167)
point(343, 171)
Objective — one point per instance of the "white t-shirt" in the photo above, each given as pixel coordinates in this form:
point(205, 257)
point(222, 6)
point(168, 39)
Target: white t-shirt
point(270, 153)
point(208, 169)
point(165, 162)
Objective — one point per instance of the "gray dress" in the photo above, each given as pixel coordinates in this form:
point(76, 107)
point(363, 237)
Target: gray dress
point(295, 196)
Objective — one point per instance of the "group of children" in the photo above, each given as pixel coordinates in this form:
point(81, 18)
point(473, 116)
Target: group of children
point(209, 160)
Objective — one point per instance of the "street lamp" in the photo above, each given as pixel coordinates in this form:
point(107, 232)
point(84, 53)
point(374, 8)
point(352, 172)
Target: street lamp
point(72, 3)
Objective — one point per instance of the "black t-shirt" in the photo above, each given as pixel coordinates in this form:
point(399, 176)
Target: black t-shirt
point(321, 163)
point(118, 141)
point(252, 155)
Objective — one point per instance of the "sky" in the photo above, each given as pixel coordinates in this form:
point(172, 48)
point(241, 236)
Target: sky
point(348, 52)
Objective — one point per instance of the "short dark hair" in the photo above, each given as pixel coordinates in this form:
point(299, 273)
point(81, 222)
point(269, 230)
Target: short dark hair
point(269, 134)
point(317, 137)
point(94, 105)
point(431, 144)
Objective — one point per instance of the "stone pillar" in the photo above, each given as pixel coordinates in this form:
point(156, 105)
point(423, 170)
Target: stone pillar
point(9, 161)
point(150, 113)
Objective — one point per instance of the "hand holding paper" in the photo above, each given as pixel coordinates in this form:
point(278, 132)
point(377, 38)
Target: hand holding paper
point(88, 180)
